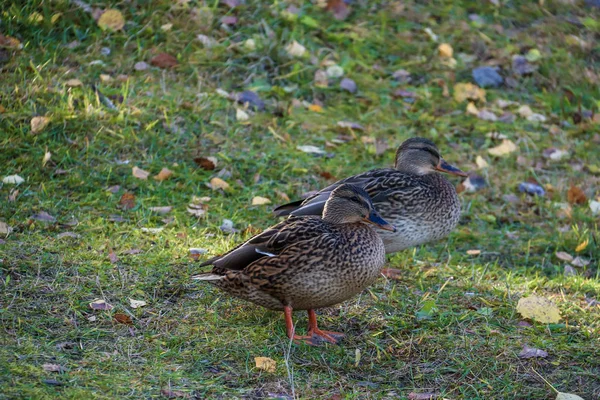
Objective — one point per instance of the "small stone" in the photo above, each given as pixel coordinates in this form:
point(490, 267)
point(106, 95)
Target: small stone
point(521, 66)
point(349, 85)
point(251, 99)
point(140, 66)
point(487, 77)
point(531, 188)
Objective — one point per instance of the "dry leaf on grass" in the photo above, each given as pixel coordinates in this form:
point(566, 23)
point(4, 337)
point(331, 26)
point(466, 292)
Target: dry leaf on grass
point(43, 216)
point(53, 368)
point(561, 255)
point(39, 123)
point(127, 201)
point(311, 150)
point(136, 303)
point(164, 174)
point(9, 42)
point(140, 173)
point(123, 318)
point(100, 305)
point(339, 9)
point(206, 163)
point(468, 91)
point(172, 394)
point(539, 309)
point(265, 364)
point(445, 50)
point(74, 83)
point(111, 19)
point(532, 352)
point(295, 49)
point(218, 183)
point(241, 115)
point(582, 246)
point(46, 158)
point(567, 396)
point(392, 273)
point(5, 229)
point(164, 60)
point(259, 201)
point(13, 180)
point(422, 396)
point(481, 163)
point(161, 210)
point(576, 196)
point(315, 108)
point(504, 148)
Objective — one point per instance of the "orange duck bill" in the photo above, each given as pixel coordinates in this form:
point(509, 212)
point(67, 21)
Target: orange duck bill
point(443, 166)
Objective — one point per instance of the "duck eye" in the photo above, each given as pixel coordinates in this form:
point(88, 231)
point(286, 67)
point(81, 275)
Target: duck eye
point(355, 199)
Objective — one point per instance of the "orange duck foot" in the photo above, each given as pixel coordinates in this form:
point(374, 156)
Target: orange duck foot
point(315, 336)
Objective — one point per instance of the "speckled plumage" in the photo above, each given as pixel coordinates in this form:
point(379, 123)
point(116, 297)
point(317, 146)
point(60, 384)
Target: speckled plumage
point(308, 262)
point(413, 196)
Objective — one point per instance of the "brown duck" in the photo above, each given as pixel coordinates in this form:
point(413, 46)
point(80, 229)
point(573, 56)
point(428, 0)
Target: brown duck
point(413, 196)
point(305, 263)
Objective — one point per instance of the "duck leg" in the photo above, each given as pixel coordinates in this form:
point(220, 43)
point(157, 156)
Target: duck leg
point(315, 335)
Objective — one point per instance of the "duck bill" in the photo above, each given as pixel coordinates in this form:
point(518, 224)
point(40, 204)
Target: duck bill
point(375, 219)
point(443, 166)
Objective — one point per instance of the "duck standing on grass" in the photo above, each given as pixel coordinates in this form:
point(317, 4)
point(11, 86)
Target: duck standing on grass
point(305, 263)
point(413, 196)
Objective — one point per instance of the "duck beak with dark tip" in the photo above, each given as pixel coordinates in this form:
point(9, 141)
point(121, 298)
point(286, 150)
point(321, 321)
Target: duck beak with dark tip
point(443, 166)
point(375, 219)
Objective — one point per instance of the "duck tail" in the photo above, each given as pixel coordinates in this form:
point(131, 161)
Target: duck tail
point(207, 276)
point(287, 209)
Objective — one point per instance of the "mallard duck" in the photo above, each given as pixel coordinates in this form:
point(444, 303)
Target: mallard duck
point(305, 263)
point(412, 196)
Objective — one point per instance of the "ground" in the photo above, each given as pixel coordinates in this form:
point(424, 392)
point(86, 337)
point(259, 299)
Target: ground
point(445, 325)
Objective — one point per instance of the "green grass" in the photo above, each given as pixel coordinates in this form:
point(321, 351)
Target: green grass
point(193, 339)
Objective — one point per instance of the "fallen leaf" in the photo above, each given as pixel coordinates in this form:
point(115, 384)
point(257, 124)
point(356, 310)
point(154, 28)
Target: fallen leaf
point(481, 163)
point(5, 229)
point(195, 253)
point(166, 27)
point(567, 396)
point(392, 273)
point(487, 115)
point(123, 318)
point(12, 196)
point(561, 255)
point(295, 49)
point(218, 183)
point(111, 19)
point(68, 234)
point(525, 111)
point(74, 83)
point(582, 246)
point(422, 396)
point(539, 309)
point(468, 91)
point(13, 180)
point(576, 196)
point(472, 109)
point(339, 8)
point(140, 173)
point(113, 257)
point(569, 271)
point(171, 394)
point(445, 50)
point(9, 42)
point(206, 163)
point(259, 201)
point(227, 226)
point(473, 252)
point(555, 154)
point(127, 201)
point(39, 123)
point(241, 115)
point(531, 352)
point(595, 207)
point(163, 60)
point(46, 158)
point(141, 66)
point(315, 108)
point(311, 150)
point(161, 210)
point(504, 148)
point(53, 368)
point(350, 125)
point(43, 216)
point(100, 305)
point(164, 174)
point(265, 364)
point(152, 230)
point(206, 41)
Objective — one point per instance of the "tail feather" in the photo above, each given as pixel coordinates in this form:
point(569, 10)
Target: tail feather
point(208, 276)
point(286, 209)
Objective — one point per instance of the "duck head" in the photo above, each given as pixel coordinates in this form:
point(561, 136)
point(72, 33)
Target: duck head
point(420, 156)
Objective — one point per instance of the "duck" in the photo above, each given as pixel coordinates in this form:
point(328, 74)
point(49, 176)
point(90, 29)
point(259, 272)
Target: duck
point(413, 196)
point(307, 262)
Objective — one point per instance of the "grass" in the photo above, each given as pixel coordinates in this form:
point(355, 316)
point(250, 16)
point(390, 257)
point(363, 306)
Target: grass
point(192, 341)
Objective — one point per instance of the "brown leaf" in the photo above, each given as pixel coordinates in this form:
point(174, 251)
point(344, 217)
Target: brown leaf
point(127, 201)
point(339, 9)
point(392, 273)
point(171, 394)
point(100, 305)
point(39, 123)
point(164, 60)
point(265, 363)
point(140, 173)
point(123, 318)
point(576, 196)
point(164, 174)
point(9, 42)
point(259, 201)
point(112, 20)
point(282, 195)
point(206, 163)
point(327, 175)
point(53, 368)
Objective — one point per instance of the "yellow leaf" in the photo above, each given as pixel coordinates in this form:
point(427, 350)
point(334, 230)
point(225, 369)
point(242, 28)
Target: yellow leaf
point(506, 147)
point(39, 123)
point(445, 50)
point(265, 363)
point(468, 91)
point(140, 173)
point(259, 201)
point(55, 18)
point(73, 83)
point(315, 108)
point(46, 158)
point(567, 396)
point(164, 174)
point(111, 19)
point(472, 108)
point(166, 27)
point(481, 163)
point(539, 309)
point(136, 303)
point(36, 17)
point(218, 183)
point(295, 49)
point(581, 246)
